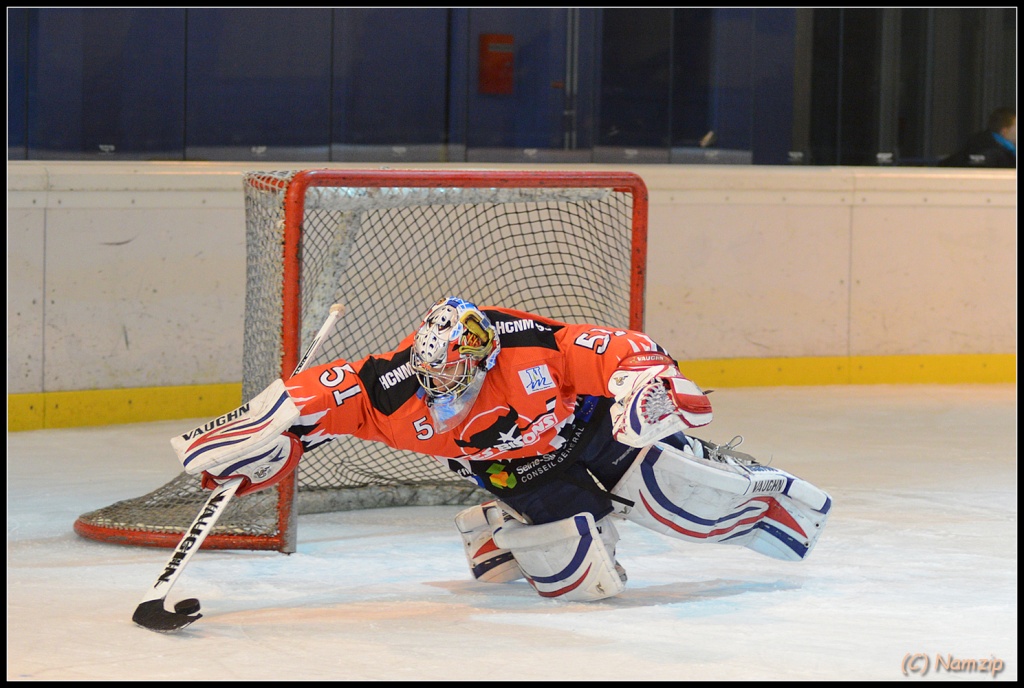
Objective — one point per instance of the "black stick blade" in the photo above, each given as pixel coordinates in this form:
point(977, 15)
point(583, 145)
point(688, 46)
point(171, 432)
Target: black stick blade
point(152, 615)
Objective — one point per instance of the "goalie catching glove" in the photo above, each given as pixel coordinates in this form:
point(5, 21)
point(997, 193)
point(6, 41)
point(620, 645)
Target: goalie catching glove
point(252, 442)
point(653, 400)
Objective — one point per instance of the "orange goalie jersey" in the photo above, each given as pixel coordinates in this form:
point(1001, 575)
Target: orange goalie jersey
point(539, 404)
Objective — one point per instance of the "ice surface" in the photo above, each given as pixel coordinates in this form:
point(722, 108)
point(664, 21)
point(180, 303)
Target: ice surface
point(919, 558)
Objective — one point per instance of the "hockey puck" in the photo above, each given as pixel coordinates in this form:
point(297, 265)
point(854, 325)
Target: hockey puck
point(189, 606)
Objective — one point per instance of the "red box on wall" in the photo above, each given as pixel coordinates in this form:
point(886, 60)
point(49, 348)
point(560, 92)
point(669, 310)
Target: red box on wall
point(497, 63)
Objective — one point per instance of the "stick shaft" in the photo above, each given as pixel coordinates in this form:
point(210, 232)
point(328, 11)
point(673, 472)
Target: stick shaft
point(193, 539)
point(218, 500)
point(337, 310)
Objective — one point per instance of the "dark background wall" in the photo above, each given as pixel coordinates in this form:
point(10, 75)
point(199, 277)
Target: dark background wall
point(749, 85)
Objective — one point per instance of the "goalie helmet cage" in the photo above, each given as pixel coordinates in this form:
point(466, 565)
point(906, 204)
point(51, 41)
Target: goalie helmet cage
point(386, 244)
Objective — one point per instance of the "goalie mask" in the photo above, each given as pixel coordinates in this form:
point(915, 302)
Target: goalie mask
point(453, 349)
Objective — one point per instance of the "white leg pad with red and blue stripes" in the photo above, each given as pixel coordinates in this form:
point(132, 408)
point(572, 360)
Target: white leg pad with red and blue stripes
point(696, 499)
point(487, 562)
point(572, 559)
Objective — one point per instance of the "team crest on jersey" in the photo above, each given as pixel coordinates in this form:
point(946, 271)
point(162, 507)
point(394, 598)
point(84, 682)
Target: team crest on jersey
point(501, 429)
point(493, 430)
point(536, 379)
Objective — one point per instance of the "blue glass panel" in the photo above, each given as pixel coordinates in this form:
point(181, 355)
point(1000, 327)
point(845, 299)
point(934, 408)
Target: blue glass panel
point(635, 78)
point(258, 84)
point(533, 114)
point(772, 83)
point(731, 79)
point(390, 76)
point(17, 83)
point(106, 83)
point(458, 82)
point(691, 75)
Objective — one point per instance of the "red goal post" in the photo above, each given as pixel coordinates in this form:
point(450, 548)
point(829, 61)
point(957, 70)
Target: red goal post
point(387, 244)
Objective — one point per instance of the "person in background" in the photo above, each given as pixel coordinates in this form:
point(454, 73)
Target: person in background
point(996, 146)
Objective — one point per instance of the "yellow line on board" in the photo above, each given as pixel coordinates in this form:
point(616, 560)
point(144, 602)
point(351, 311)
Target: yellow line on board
point(852, 370)
point(118, 406)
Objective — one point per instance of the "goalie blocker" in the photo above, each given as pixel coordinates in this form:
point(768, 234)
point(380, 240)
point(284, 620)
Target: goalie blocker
point(252, 442)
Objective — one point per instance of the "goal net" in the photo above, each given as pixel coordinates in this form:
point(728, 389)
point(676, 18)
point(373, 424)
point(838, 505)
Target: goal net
point(386, 244)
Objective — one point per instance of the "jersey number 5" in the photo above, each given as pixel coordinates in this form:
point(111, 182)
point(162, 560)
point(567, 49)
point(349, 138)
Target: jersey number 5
point(424, 430)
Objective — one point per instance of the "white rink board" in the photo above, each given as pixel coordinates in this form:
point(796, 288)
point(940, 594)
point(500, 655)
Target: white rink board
point(138, 277)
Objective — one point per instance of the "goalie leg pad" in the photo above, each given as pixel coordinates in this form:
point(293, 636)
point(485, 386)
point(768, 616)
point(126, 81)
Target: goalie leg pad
point(252, 441)
point(567, 559)
point(487, 562)
point(707, 499)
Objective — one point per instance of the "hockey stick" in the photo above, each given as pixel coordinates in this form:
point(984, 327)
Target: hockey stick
point(151, 612)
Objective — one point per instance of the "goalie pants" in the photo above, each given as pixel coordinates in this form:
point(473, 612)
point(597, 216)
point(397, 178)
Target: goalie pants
point(574, 491)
